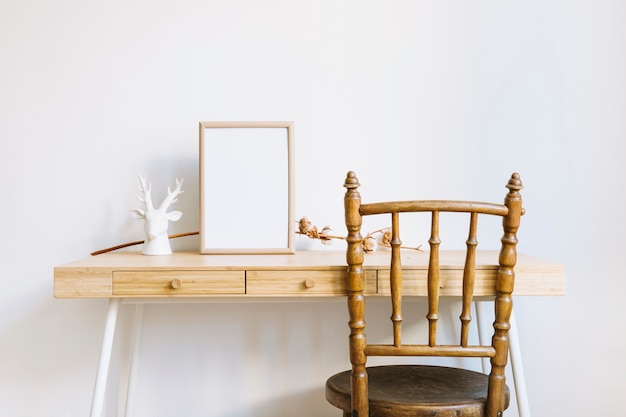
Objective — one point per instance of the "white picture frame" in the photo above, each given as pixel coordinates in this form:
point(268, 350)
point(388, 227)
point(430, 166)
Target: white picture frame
point(247, 188)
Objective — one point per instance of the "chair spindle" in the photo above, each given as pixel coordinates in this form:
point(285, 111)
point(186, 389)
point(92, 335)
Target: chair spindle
point(396, 279)
point(469, 276)
point(433, 280)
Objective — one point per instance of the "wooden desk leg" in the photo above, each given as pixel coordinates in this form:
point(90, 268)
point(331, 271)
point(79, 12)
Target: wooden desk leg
point(102, 374)
point(517, 368)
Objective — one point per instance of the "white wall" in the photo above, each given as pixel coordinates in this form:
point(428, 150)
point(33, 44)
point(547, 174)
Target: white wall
point(419, 98)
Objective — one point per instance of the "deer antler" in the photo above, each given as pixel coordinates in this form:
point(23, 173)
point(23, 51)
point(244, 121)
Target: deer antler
point(145, 189)
point(171, 195)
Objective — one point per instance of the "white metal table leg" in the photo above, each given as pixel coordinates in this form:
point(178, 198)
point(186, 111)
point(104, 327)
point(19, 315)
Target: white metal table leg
point(517, 368)
point(134, 359)
point(105, 358)
point(483, 329)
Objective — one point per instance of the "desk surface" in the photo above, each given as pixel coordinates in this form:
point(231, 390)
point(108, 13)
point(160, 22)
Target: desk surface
point(305, 273)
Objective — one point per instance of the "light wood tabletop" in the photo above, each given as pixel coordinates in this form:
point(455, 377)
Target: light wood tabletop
point(304, 273)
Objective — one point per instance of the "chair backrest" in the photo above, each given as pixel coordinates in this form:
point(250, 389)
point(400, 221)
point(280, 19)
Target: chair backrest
point(510, 212)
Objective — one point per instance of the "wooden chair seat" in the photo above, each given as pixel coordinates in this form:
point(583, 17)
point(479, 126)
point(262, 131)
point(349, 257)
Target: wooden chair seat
point(416, 391)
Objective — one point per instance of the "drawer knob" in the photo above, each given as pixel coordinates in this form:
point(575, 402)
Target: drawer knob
point(176, 283)
point(309, 283)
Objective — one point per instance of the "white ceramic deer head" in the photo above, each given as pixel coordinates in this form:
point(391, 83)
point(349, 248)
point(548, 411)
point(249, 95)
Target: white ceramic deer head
point(156, 220)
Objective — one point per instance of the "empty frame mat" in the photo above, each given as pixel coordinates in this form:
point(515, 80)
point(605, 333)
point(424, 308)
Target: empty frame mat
point(246, 187)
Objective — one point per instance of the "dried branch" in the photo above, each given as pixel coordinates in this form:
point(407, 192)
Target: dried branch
point(385, 240)
point(370, 243)
point(139, 242)
point(305, 227)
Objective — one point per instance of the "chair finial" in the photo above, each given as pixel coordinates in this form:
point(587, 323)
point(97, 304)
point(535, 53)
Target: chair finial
point(352, 182)
point(515, 183)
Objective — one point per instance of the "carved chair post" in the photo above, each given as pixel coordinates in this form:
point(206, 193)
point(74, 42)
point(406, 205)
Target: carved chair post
point(504, 288)
point(356, 302)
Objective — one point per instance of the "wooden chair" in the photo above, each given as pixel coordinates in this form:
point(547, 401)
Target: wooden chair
point(419, 390)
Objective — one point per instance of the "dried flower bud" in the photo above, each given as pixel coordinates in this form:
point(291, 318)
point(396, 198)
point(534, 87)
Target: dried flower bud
point(370, 244)
point(304, 225)
point(312, 232)
point(323, 235)
point(386, 238)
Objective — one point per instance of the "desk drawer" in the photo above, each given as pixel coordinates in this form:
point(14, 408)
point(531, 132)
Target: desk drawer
point(177, 283)
point(415, 282)
point(307, 283)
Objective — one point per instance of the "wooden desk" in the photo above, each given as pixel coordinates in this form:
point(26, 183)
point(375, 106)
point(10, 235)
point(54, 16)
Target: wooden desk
point(132, 276)
point(305, 274)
